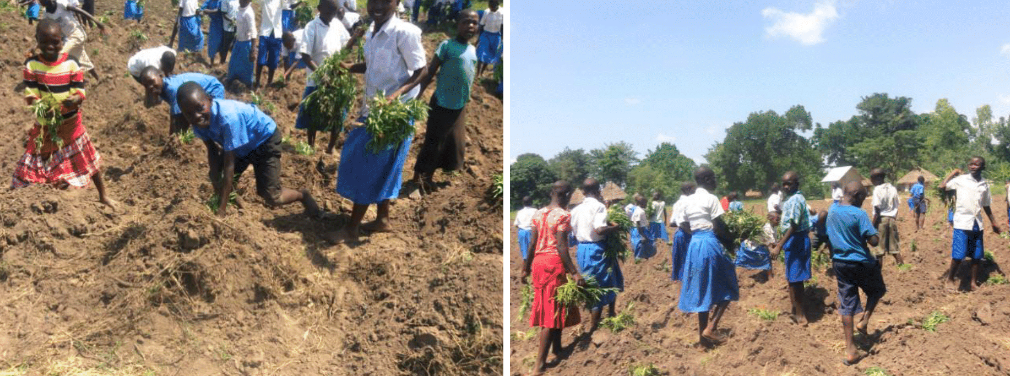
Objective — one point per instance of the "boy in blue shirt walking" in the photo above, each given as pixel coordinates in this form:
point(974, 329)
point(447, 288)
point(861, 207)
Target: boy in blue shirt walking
point(238, 135)
point(850, 230)
point(919, 202)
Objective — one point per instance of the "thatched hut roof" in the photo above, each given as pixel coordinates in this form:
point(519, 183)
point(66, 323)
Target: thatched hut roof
point(913, 176)
point(752, 194)
point(611, 192)
point(577, 197)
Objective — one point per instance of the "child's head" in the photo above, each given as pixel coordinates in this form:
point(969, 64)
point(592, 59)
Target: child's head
point(382, 10)
point(705, 178)
point(656, 196)
point(877, 176)
point(774, 188)
point(921, 180)
point(527, 201)
point(48, 3)
point(493, 4)
point(153, 80)
point(976, 165)
point(244, 3)
point(168, 62)
point(687, 188)
point(327, 10)
point(791, 182)
point(466, 24)
point(855, 193)
point(288, 39)
point(733, 196)
point(561, 192)
point(195, 104)
point(639, 199)
point(773, 217)
point(591, 188)
point(49, 37)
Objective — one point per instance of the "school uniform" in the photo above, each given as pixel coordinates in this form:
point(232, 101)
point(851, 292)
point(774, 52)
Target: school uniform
point(736, 206)
point(244, 129)
point(797, 248)
point(972, 196)
point(239, 67)
point(709, 276)
point(491, 36)
point(753, 254)
point(641, 240)
point(72, 32)
point(774, 200)
point(143, 59)
point(436, 13)
point(392, 54)
point(215, 33)
point(288, 16)
point(681, 239)
point(319, 41)
point(885, 200)
point(271, 31)
point(548, 272)
point(229, 10)
point(587, 218)
point(132, 10)
point(190, 33)
point(918, 198)
point(292, 55)
point(656, 226)
point(445, 137)
point(524, 223)
point(854, 267)
point(32, 13)
point(171, 85)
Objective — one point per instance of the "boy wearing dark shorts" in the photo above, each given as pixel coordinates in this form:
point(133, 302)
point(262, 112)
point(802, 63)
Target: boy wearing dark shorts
point(238, 135)
point(849, 230)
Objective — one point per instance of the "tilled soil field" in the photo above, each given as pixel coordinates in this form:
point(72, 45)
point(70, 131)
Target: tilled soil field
point(974, 341)
point(162, 286)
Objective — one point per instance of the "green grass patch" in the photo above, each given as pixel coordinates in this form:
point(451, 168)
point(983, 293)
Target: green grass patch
point(876, 371)
point(904, 267)
point(526, 301)
point(934, 319)
point(996, 279)
point(215, 201)
point(303, 148)
point(643, 370)
point(764, 314)
point(620, 322)
point(989, 257)
point(913, 247)
point(187, 137)
point(520, 336)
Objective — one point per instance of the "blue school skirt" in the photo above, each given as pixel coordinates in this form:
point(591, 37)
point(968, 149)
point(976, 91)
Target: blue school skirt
point(365, 177)
point(239, 67)
point(524, 241)
point(215, 35)
point(753, 257)
point(606, 271)
point(132, 11)
point(797, 255)
point(302, 121)
point(488, 51)
point(709, 275)
point(659, 231)
point(190, 35)
point(645, 246)
point(681, 240)
point(32, 13)
point(288, 20)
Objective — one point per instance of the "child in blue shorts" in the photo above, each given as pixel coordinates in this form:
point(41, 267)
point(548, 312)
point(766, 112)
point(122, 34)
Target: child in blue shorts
point(795, 242)
point(973, 197)
point(271, 32)
point(850, 229)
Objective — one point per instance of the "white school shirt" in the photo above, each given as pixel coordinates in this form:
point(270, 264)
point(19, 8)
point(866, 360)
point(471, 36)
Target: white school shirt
point(320, 42)
point(392, 54)
point(298, 44)
point(524, 218)
point(350, 5)
point(658, 209)
point(492, 21)
point(638, 217)
point(677, 217)
point(587, 218)
point(770, 235)
point(68, 20)
point(189, 7)
point(244, 24)
point(837, 193)
point(628, 209)
point(774, 199)
point(272, 24)
point(972, 196)
point(229, 9)
point(150, 57)
point(702, 209)
point(885, 197)
point(350, 18)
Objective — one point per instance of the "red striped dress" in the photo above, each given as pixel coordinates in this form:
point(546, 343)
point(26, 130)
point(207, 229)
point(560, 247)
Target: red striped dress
point(549, 272)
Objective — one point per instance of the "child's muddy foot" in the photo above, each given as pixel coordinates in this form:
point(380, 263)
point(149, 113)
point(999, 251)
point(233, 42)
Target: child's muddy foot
point(851, 359)
point(311, 207)
point(377, 226)
point(113, 204)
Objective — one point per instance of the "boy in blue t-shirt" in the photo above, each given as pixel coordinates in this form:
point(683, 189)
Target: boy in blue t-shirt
point(849, 230)
point(455, 62)
point(238, 135)
point(159, 88)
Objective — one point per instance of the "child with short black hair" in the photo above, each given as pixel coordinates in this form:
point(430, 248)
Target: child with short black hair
point(162, 57)
point(643, 244)
point(243, 52)
point(795, 242)
point(158, 87)
point(492, 28)
point(973, 197)
point(885, 212)
point(524, 225)
point(187, 25)
point(271, 30)
point(320, 40)
point(855, 268)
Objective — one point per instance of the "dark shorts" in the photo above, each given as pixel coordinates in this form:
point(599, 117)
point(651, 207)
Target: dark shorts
point(919, 205)
point(266, 162)
point(227, 39)
point(853, 276)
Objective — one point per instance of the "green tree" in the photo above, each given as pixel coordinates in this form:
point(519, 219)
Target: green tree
point(571, 165)
point(530, 175)
point(613, 162)
point(862, 140)
point(662, 169)
point(946, 137)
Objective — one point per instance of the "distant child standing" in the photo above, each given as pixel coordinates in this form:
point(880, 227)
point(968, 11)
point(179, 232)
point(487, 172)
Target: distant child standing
point(76, 162)
point(288, 15)
point(973, 198)
point(72, 30)
point(454, 62)
point(32, 13)
point(885, 212)
point(524, 224)
point(188, 26)
point(682, 237)
point(774, 198)
point(589, 223)
point(795, 242)
point(641, 238)
point(836, 193)
point(319, 41)
point(492, 27)
point(271, 31)
point(240, 67)
point(132, 10)
point(657, 223)
point(919, 202)
point(734, 202)
point(215, 34)
point(849, 230)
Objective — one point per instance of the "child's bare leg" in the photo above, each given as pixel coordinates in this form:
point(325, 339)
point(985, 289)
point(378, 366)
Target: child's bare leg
point(796, 296)
point(850, 345)
point(595, 317)
point(103, 196)
point(545, 341)
point(974, 274)
point(954, 264)
point(702, 324)
point(864, 322)
point(312, 137)
point(898, 259)
point(381, 222)
point(556, 344)
point(333, 140)
point(270, 75)
point(612, 309)
point(288, 196)
point(713, 324)
point(259, 72)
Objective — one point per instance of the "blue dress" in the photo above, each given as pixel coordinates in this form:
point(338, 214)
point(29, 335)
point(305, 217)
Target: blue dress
point(239, 66)
point(645, 246)
point(215, 34)
point(365, 177)
point(606, 270)
point(709, 275)
point(132, 10)
point(190, 35)
point(679, 252)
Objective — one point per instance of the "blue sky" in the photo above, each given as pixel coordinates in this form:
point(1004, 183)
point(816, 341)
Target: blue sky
point(584, 74)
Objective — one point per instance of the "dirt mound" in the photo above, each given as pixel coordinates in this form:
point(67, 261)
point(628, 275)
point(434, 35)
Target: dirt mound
point(973, 340)
point(163, 285)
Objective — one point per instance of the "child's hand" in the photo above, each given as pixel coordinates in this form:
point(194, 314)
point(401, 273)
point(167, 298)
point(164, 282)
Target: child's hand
point(73, 102)
point(995, 228)
point(578, 279)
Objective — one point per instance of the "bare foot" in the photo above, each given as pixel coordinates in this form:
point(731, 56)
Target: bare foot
point(311, 208)
point(800, 319)
point(377, 226)
point(975, 286)
point(113, 204)
point(851, 358)
point(861, 328)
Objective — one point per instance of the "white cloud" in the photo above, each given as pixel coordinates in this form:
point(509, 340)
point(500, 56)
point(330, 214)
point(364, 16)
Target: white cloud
point(632, 101)
point(804, 28)
point(1005, 49)
point(712, 129)
point(1004, 99)
point(661, 138)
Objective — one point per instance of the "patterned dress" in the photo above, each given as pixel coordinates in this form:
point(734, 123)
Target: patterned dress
point(549, 272)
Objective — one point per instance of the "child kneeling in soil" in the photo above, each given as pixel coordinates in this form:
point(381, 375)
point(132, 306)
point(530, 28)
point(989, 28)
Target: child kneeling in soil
point(237, 135)
point(67, 158)
point(849, 229)
point(158, 87)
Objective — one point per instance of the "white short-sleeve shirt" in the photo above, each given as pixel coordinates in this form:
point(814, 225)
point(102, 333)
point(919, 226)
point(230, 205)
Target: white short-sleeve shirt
point(677, 217)
point(587, 218)
point(189, 7)
point(350, 18)
point(272, 24)
point(972, 196)
point(638, 217)
point(392, 54)
point(702, 209)
point(298, 43)
point(320, 42)
point(245, 24)
point(774, 200)
point(658, 209)
point(229, 9)
point(524, 218)
point(150, 57)
point(68, 20)
point(885, 199)
point(350, 5)
point(492, 21)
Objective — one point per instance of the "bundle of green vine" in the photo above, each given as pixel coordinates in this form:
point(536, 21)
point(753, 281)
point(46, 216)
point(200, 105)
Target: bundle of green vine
point(335, 91)
point(946, 197)
point(617, 241)
point(742, 225)
point(571, 294)
point(527, 300)
point(389, 121)
point(47, 111)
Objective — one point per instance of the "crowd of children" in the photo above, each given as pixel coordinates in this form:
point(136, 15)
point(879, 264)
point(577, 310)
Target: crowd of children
point(857, 241)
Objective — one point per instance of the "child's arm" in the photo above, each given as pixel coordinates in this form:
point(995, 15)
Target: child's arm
point(291, 69)
point(785, 237)
point(411, 82)
point(87, 16)
point(252, 52)
point(951, 175)
point(175, 28)
point(988, 212)
point(429, 73)
point(226, 184)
